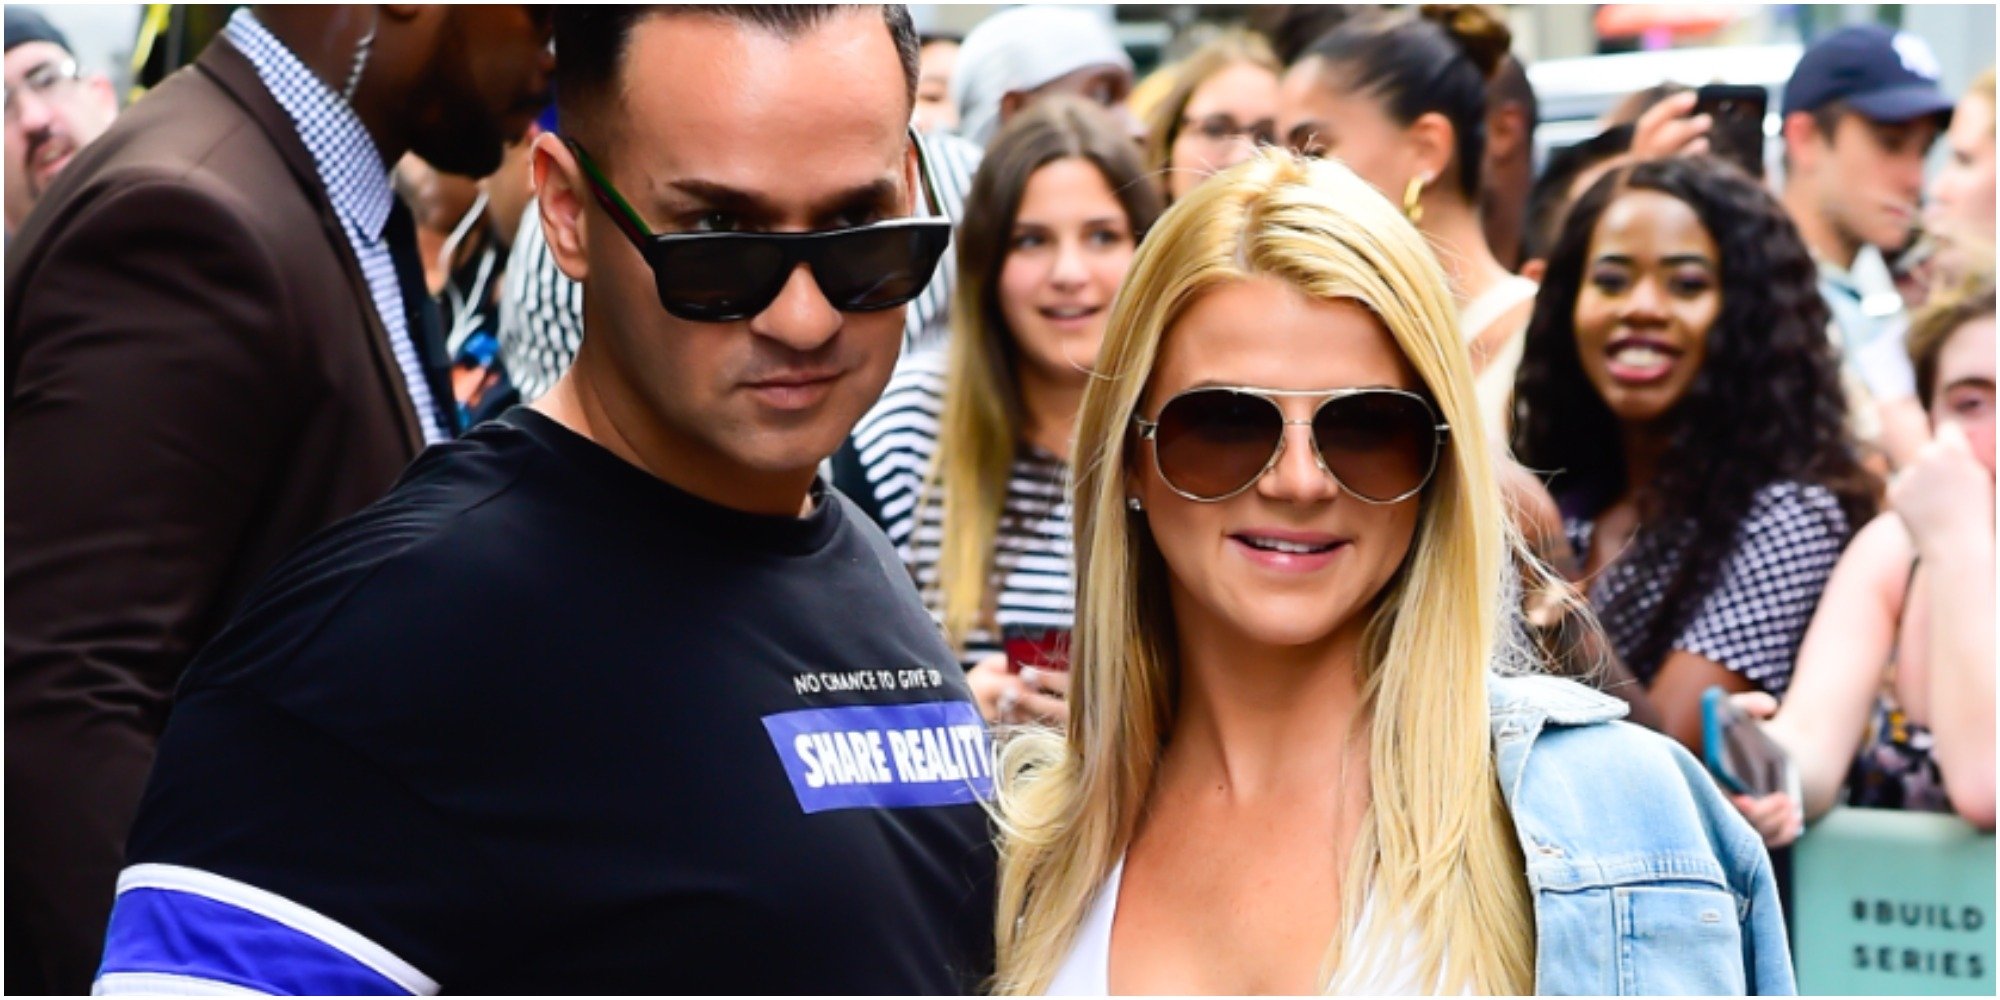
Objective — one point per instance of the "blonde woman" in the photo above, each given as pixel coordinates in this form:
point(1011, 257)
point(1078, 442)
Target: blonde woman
point(1302, 752)
point(1222, 104)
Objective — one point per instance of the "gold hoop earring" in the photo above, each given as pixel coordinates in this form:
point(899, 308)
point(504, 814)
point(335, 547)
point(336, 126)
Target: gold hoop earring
point(1412, 208)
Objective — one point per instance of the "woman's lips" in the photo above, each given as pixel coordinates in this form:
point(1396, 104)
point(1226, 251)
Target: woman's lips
point(1640, 362)
point(1286, 551)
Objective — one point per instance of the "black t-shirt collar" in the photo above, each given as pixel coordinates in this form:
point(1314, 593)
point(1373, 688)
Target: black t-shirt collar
point(622, 482)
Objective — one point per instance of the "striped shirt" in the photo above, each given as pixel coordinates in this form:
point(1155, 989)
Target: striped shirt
point(541, 309)
point(1033, 564)
point(357, 183)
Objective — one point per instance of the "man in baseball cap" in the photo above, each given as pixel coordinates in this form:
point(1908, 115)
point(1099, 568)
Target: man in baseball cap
point(1861, 111)
point(52, 110)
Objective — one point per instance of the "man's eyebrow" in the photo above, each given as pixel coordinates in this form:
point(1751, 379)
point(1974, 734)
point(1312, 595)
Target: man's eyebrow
point(875, 196)
point(1971, 382)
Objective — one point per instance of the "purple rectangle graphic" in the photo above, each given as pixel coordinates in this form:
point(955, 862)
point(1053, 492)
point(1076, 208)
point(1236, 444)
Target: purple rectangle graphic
point(931, 753)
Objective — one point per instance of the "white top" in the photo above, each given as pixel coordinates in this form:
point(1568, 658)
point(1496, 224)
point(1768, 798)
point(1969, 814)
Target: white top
point(1086, 970)
point(1494, 384)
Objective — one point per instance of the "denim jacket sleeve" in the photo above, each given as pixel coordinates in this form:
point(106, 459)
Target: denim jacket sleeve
point(1645, 880)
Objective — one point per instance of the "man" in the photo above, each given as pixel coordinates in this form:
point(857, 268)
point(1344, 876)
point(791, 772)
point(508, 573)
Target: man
point(1860, 113)
point(215, 347)
point(1509, 170)
point(1020, 53)
point(52, 110)
point(613, 695)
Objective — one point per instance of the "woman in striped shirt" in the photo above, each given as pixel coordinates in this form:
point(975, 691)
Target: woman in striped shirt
point(963, 460)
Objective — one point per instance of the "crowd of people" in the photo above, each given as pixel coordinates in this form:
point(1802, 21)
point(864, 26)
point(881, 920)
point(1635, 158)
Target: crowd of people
point(497, 504)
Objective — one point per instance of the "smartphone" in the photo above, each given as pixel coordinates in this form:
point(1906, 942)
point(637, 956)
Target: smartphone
point(1738, 113)
point(1737, 751)
point(1035, 646)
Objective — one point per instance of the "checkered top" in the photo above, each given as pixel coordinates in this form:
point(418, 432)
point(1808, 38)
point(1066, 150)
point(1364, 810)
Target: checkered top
point(357, 182)
point(1754, 616)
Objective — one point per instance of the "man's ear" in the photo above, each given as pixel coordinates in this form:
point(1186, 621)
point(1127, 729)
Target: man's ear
point(1011, 103)
point(102, 92)
point(1803, 142)
point(560, 196)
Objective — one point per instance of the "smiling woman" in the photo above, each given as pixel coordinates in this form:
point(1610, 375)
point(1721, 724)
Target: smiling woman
point(1678, 382)
point(1302, 754)
point(964, 456)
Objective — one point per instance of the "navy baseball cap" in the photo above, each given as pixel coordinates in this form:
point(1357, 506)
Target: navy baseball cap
point(1885, 76)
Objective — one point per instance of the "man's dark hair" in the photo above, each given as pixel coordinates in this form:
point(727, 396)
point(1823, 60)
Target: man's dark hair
point(591, 40)
point(1549, 199)
point(1826, 121)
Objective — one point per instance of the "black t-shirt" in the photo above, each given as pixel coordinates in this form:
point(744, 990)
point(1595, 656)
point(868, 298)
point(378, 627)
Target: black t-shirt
point(538, 722)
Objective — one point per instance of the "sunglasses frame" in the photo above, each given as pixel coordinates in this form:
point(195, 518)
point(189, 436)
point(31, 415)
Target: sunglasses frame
point(1149, 431)
point(796, 248)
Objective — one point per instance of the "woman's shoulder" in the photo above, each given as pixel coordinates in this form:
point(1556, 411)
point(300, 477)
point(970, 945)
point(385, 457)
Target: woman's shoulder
point(1607, 788)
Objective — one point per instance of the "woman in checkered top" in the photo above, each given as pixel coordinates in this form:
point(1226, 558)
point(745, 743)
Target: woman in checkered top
point(1679, 391)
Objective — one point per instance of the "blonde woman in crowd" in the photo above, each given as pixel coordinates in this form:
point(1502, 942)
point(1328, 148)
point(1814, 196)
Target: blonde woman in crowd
point(1959, 209)
point(1222, 105)
point(1303, 753)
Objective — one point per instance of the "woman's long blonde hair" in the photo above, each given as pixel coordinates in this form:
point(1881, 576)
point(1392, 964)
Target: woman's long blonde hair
point(983, 420)
point(1437, 850)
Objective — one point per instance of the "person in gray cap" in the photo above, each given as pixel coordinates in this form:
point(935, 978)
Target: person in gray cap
point(53, 110)
point(1022, 52)
point(1862, 109)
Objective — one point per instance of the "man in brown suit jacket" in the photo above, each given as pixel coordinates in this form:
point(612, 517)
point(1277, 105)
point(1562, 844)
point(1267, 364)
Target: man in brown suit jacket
point(199, 374)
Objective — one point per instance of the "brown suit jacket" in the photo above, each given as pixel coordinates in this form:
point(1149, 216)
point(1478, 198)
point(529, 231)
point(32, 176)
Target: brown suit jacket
point(196, 380)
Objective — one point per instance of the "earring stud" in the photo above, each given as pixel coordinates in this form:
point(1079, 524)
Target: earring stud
point(1132, 504)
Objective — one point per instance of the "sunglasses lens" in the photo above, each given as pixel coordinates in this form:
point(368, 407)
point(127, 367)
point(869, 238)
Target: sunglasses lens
point(720, 278)
point(1213, 442)
point(879, 267)
point(1380, 445)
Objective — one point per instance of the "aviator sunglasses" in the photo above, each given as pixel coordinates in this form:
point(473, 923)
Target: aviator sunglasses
point(724, 277)
point(1213, 442)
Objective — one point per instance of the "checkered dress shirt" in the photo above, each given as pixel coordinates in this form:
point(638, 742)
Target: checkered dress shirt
point(356, 180)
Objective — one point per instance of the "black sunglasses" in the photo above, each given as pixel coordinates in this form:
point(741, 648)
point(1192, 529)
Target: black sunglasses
point(1211, 443)
point(724, 277)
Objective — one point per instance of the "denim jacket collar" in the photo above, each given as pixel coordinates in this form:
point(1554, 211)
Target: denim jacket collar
point(1520, 707)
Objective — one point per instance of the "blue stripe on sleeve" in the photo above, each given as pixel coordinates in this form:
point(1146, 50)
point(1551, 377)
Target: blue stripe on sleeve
point(167, 932)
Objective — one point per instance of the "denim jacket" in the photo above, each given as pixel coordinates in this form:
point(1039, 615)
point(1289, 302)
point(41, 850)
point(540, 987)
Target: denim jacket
point(1645, 879)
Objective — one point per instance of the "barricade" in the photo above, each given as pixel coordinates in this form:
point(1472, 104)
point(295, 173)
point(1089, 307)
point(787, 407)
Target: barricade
point(1893, 902)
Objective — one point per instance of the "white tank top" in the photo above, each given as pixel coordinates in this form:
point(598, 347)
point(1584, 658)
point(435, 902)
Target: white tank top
point(1086, 970)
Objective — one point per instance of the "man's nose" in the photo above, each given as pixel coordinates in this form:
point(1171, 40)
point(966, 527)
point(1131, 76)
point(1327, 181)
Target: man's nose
point(800, 317)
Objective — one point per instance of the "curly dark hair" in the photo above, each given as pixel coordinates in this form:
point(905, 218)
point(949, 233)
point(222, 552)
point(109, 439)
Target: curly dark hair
point(1767, 405)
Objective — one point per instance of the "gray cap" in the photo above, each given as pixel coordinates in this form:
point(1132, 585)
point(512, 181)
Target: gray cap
point(26, 24)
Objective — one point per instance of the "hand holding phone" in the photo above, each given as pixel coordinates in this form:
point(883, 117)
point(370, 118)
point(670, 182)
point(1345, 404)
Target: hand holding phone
point(1737, 132)
point(1738, 752)
point(1035, 646)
